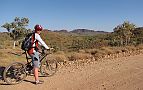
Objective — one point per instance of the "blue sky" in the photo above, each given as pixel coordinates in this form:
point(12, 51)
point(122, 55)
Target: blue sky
point(100, 15)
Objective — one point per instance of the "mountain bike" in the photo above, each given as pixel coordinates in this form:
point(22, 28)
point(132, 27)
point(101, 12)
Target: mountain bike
point(16, 72)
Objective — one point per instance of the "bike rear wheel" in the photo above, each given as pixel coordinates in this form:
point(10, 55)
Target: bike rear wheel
point(49, 68)
point(14, 73)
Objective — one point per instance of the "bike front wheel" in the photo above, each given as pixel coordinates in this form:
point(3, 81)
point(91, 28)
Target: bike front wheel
point(49, 68)
point(14, 73)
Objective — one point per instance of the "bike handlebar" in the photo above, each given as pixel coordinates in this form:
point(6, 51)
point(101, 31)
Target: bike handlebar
point(47, 51)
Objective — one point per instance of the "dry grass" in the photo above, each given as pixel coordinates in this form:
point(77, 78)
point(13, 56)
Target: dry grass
point(116, 50)
point(131, 48)
point(107, 50)
point(58, 56)
point(79, 56)
point(7, 56)
point(95, 51)
point(139, 47)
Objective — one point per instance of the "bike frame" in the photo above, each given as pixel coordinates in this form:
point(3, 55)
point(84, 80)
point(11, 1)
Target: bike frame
point(42, 56)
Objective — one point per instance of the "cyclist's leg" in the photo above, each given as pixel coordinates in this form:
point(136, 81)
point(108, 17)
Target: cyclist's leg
point(36, 64)
point(36, 60)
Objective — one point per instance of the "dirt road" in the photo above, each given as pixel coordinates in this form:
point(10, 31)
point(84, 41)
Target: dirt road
point(119, 74)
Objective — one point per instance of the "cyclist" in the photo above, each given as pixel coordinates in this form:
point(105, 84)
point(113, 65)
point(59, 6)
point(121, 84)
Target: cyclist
point(34, 51)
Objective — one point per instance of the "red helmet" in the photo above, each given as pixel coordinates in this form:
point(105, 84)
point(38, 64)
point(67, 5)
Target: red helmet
point(38, 28)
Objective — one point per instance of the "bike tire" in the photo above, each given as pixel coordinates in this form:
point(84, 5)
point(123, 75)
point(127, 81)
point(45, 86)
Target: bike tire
point(49, 68)
point(14, 73)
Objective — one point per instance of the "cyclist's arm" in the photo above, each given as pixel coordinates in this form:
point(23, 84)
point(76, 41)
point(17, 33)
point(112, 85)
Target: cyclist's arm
point(37, 37)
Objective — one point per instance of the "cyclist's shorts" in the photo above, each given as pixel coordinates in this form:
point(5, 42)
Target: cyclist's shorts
point(35, 59)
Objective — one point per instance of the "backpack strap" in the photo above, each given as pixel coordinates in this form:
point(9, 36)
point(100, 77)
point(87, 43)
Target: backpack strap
point(34, 42)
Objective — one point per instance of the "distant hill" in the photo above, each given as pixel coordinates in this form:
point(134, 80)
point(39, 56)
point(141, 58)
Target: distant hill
point(82, 32)
point(86, 31)
point(63, 31)
point(139, 28)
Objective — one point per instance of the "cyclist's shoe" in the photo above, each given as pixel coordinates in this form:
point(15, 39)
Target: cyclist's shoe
point(39, 82)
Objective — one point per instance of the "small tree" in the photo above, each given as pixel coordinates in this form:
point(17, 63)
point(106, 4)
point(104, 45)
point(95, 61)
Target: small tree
point(17, 28)
point(124, 32)
point(138, 36)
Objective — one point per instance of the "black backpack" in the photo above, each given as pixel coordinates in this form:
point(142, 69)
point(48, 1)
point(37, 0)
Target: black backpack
point(27, 42)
